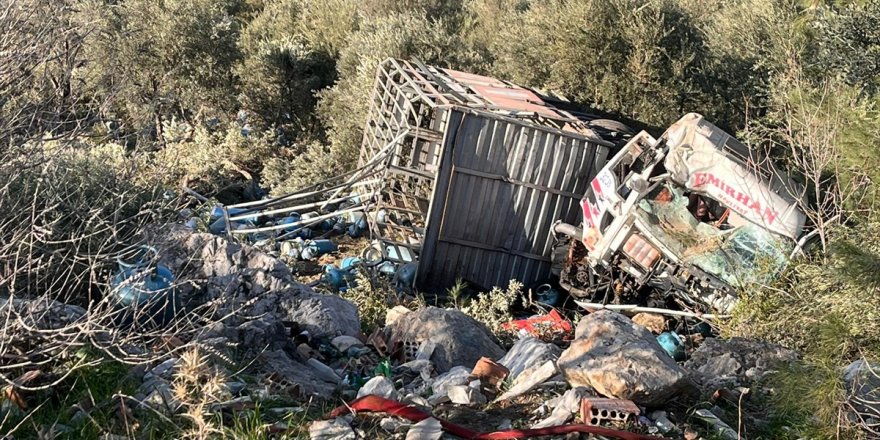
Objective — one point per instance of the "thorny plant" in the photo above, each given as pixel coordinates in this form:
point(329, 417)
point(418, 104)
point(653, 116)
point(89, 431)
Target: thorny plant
point(62, 227)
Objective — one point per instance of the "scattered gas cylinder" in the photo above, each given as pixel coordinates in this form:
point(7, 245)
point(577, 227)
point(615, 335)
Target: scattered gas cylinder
point(546, 295)
point(672, 344)
point(143, 290)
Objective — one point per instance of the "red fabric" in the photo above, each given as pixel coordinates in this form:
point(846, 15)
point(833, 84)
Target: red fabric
point(382, 405)
point(552, 320)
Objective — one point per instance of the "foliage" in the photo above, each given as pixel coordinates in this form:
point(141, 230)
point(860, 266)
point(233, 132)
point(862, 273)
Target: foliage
point(154, 60)
point(372, 299)
point(492, 308)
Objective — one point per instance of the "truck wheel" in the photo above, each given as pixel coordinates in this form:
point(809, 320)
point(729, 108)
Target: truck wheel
point(611, 125)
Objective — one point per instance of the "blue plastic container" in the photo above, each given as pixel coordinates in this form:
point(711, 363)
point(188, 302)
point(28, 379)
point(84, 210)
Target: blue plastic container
point(672, 345)
point(143, 290)
point(350, 262)
point(545, 294)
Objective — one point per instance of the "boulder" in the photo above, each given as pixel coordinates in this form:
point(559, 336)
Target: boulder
point(458, 338)
point(733, 362)
point(527, 353)
point(247, 284)
point(302, 377)
point(621, 359)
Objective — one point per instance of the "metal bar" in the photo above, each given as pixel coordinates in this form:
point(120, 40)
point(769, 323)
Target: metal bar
point(294, 208)
point(299, 223)
point(486, 247)
point(485, 175)
point(637, 309)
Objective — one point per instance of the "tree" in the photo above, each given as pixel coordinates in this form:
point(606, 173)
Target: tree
point(154, 60)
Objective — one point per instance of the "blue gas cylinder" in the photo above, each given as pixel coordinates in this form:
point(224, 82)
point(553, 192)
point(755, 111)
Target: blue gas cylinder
point(672, 344)
point(143, 290)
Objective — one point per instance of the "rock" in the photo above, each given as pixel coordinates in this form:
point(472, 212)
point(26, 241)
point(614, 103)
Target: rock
point(529, 379)
point(378, 386)
point(861, 380)
point(566, 405)
point(164, 370)
point(324, 316)
point(428, 429)
point(622, 360)
point(394, 313)
point(651, 321)
point(336, 429)
point(459, 339)
point(323, 371)
point(248, 284)
point(306, 380)
point(465, 395)
point(721, 363)
point(527, 353)
point(235, 388)
point(344, 342)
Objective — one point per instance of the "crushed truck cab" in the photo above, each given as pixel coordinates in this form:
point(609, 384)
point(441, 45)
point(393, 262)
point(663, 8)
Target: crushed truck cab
point(691, 216)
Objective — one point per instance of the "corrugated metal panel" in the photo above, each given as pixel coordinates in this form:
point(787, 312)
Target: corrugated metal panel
point(507, 183)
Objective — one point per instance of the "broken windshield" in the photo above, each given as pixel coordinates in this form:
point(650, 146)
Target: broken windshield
point(702, 232)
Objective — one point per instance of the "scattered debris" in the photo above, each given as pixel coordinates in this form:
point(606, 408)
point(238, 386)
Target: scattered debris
point(334, 429)
point(378, 386)
point(378, 404)
point(528, 352)
point(595, 410)
point(717, 426)
point(529, 379)
point(564, 407)
point(428, 429)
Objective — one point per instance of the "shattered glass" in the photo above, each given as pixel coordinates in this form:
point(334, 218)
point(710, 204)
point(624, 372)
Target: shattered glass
point(739, 252)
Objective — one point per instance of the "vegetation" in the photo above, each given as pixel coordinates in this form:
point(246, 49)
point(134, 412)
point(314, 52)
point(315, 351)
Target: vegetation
point(106, 105)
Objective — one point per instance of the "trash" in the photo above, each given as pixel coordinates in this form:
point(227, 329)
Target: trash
point(378, 404)
point(392, 424)
point(717, 426)
point(455, 376)
point(528, 352)
point(315, 248)
point(540, 326)
point(489, 372)
point(336, 429)
point(621, 359)
point(672, 345)
point(142, 289)
point(529, 379)
point(595, 410)
point(378, 386)
point(662, 422)
point(428, 429)
point(565, 406)
point(465, 395)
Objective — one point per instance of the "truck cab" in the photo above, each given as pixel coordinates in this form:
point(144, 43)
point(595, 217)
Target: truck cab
point(693, 215)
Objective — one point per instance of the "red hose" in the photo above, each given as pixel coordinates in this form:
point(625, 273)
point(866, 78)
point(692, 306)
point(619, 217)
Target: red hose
point(382, 405)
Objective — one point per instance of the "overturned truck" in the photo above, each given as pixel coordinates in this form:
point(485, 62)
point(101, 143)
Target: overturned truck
point(692, 216)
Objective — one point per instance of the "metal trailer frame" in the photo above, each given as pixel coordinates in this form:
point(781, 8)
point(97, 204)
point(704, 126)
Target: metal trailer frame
point(472, 172)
